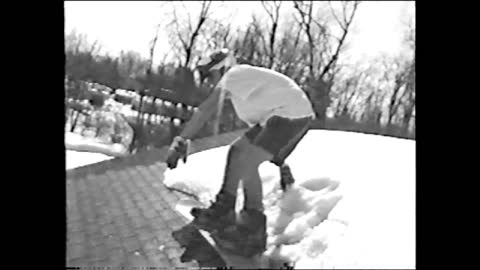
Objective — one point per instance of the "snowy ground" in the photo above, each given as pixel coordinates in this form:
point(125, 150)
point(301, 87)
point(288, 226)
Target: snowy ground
point(86, 150)
point(353, 205)
point(82, 151)
point(76, 159)
point(77, 142)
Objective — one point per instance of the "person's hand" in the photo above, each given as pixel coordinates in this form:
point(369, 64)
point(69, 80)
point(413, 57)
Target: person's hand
point(286, 177)
point(178, 150)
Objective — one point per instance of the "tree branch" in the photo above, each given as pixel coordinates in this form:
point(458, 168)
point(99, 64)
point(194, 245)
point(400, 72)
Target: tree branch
point(226, 35)
point(201, 20)
point(310, 8)
point(335, 16)
point(177, 28)
point(344, 12)
point(267, 9)
point(259, 33)
point(306, 27)
point(152, 49)
point(273, 13)
point(342, 40)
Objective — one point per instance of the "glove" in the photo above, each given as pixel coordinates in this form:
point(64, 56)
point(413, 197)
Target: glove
point(178, 150)
point(286, 177)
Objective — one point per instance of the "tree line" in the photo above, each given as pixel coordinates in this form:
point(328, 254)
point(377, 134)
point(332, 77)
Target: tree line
point(307, 44)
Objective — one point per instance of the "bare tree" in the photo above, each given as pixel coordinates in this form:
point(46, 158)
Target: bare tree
point(273, 10)
point(409, 102)
point(375, 89)
point(287, 53)
point(188, 35)
point(132, 67)
point(217, 35)
point(344, 24)
point(77, 42)
point(353, 92)
point(403, 96)
point(305, 21)
point(322, 60)
point(240, 42)
point(222, 35)
point(344, 97)
point(251, 45)
point(396, 96)
point(153, 43)
point(81, 55)
point(291, 52)
point(259, 53)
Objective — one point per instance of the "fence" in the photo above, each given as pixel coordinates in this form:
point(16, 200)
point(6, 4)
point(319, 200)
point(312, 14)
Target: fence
point(159, 115)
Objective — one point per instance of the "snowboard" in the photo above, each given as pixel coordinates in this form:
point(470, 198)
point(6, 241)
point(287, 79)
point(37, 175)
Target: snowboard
point(184, 207)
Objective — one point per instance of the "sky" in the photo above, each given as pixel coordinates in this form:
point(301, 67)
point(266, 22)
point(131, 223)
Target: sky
point(377, 27)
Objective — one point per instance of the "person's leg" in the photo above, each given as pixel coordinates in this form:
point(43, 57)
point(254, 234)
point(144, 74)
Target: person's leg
point(252, 183)
point(248, 236)
point(301, 127)
point(279, 137)
point(239, 164)
point(274, 142)
point(253, 191)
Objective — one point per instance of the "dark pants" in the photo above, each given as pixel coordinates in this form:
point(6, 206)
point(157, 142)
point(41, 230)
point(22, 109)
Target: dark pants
point(277, 139)
point(279, 136)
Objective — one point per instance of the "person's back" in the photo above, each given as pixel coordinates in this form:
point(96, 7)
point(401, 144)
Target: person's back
point(258, 93)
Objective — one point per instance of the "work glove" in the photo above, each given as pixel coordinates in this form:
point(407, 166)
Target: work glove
point(177, 150)
point(286, 177)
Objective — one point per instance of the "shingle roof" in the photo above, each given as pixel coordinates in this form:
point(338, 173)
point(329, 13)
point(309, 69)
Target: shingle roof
point(119, 213)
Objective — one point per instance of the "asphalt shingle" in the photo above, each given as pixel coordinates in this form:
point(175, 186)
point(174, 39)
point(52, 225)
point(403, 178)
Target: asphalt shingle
point(119, 213)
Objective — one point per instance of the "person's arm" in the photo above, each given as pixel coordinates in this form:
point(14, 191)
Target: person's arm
point(202, 115)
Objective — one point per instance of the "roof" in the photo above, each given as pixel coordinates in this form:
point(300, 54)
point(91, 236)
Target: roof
point(119, 213)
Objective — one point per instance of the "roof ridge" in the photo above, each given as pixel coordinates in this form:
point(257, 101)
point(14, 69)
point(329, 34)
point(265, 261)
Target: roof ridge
point(147, 157)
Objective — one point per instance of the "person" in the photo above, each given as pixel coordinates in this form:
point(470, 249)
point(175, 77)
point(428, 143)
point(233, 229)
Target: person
point(278, 113)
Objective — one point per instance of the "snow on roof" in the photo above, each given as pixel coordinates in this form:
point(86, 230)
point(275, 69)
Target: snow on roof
point(353, 205)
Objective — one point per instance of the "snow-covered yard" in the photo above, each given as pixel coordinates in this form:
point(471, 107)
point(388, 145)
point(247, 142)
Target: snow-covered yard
point(77, 142)
point(353, 205)
point(76, 159)
point(82, 151)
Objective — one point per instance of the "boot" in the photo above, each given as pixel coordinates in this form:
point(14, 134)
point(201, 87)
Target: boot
point(286, 177)
point(219, 215)
point(247, 237)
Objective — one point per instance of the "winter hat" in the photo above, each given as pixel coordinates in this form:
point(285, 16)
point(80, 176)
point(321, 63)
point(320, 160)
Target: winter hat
point(216, 60)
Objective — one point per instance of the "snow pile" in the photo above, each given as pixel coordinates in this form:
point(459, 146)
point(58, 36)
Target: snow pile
point(77, 142)
point(112, 127)
point(353, 205)
point(106, 124)
point(76, 159)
